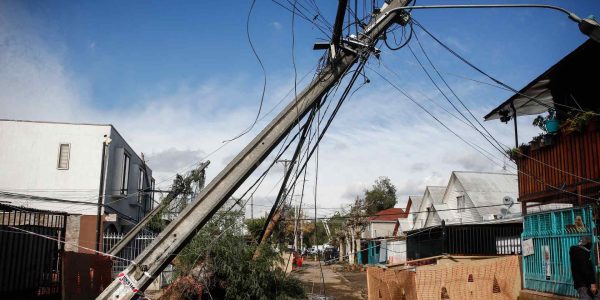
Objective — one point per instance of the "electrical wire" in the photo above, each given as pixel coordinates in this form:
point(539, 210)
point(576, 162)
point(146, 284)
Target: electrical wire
point(455, 95)
point(461, 138)
point(304, 17)
point(472, 65)
point(451, 103)
point(264, 71)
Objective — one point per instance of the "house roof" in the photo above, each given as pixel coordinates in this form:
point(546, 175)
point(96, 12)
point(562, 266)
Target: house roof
point(436, 193)
point(445, 212)
point(487, 189)
point(416, 203)
point(537, 96)
point(54, 122)
point(402, 225)
point(390, 214)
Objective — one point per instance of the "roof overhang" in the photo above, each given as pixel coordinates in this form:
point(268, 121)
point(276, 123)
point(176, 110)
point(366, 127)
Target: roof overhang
point(536, 97)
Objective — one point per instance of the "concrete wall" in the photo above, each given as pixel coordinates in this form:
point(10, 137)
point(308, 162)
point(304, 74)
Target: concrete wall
point(29, 162)
point(377, 229)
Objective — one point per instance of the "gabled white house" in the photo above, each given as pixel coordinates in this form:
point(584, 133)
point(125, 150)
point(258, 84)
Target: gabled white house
point(432, 194)
point(406, 222)
point(59, 167)
point(475, 197)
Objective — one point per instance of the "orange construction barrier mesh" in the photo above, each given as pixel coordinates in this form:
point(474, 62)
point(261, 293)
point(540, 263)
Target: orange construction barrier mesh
point(495, 278)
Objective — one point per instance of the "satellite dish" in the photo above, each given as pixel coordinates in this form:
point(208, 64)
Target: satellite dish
point(508, 201)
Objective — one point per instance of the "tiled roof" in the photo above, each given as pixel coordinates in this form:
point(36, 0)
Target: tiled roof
point(390, 214)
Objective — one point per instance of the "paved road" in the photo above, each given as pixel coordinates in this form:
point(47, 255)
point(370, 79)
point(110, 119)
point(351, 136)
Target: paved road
point(336, 286)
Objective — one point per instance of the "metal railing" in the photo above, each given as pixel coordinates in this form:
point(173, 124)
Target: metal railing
point(130, 252)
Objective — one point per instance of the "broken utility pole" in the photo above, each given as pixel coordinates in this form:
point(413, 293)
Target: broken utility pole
point(148, 265)
point(175, 191)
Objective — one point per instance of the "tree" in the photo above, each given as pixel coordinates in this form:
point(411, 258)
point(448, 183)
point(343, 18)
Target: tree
point(381, 196)
point(255, 227)
point(218, 264)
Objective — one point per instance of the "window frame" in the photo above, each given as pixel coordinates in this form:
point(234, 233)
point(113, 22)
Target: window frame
point(141, 186)
point(59, 155)
point(460, 200)
point(125, 169)
point(153, 187)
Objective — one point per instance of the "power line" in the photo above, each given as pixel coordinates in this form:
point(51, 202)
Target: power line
point(456, 96)
point(264, 71)
point(461, 138)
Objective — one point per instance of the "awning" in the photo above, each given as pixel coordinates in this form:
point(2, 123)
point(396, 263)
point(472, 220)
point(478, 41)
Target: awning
point(536, 97)
point(532, 100)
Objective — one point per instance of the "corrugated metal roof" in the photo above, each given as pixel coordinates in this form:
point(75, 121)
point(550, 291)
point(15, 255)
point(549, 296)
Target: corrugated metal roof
point(480, 189)
point(485, 189)
point(416, 203)
point(446, 212)
point(436, 193)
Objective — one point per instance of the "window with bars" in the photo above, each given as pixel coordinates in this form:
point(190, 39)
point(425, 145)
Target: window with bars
point(64, 152)
point(125, 177)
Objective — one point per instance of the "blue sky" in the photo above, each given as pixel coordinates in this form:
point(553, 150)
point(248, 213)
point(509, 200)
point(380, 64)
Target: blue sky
point(178, 77)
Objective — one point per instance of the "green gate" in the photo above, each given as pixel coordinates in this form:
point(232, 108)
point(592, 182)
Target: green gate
point(548, 237)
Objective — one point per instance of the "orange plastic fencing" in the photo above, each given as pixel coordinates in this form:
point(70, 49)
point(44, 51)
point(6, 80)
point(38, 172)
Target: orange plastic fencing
point(496, 278)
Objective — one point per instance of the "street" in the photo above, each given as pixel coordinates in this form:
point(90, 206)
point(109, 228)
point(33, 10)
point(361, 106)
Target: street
point(338, 285)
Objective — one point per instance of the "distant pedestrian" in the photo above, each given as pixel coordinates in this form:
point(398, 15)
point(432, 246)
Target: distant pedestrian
point(582, 269)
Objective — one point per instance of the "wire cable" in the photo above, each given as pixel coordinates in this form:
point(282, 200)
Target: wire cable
point(264, 71)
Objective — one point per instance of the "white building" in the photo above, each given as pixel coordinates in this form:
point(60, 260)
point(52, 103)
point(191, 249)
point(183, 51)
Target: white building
point(432, 195)
point(472, 197)
point(58, 166)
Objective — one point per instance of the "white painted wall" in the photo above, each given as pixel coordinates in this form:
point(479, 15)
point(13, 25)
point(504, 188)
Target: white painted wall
point(29, 165)
point(396, 252)
point(377, 229)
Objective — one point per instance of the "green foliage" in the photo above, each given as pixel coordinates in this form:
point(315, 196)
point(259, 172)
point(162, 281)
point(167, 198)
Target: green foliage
point(225, 261)
point(317, 232)
point(577, 122)
point(381, 196)
point(255, 226)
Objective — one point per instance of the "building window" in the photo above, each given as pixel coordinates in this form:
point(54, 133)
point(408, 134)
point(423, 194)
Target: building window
point(64, 151)
point(153, 184)
point(125, 177)
point(141, 192)
point(460, 203)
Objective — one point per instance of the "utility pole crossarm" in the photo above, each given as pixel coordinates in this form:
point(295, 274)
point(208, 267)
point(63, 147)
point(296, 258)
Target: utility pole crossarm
point(148, 265)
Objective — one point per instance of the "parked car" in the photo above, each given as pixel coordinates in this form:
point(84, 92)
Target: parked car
point(331, 255)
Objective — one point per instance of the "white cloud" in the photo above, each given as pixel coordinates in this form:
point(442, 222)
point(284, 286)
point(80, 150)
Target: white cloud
point(276, 25)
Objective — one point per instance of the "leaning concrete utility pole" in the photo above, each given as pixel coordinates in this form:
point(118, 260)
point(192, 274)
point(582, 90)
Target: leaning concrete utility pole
point(132, 234)
point(148, 265)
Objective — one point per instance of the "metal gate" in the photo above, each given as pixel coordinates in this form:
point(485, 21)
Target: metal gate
point(546, 266)
point(30, 252)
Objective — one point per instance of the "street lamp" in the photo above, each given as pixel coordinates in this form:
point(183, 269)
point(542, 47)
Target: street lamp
point(588, 26)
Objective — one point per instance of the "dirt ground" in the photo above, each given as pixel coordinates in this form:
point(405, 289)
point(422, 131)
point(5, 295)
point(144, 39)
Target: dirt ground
point(338, 285)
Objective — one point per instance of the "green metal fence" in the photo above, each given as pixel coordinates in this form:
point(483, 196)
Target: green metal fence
point(546, 266)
